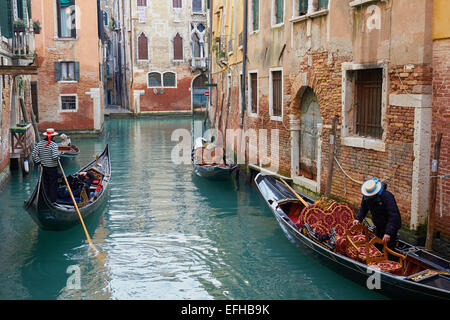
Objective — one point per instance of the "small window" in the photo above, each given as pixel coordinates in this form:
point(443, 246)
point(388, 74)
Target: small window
point(255, 15)
point(142, 47)
point(253, 94)
point(196, 5)
point(276, 92)
point(66, 18)
point(141, 3)
point(178, 47)
point(69, 103)
point(169, 80)
point(279, 12)
point(154, 80)
point(67, 71)
point(302, 7)
point(177, 3)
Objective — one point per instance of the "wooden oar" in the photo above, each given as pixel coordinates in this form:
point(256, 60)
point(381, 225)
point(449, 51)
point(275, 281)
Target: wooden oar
point(91, 244)
point(295, 193)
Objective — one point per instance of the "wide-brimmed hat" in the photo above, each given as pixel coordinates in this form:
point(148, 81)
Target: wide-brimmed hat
point(50, 132)
point(371, 187)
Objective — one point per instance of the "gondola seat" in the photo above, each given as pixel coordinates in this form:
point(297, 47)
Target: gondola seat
point(382, 262)
point(353, 244)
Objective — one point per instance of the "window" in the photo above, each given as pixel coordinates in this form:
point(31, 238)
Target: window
point(196, 5)
point(68, 102)
point(67, 71)
point(141, 3)
point(254, 15)
point(142, 47)
point(178, 47)
point(278, 12)
point(253, 92)
point(197, 47)
point(301, 7)
point(154, 80)
point(368, 85)
point(66, 19)
point(169, 80)
point(177, 3)
point(276, 94)
point(322, 4)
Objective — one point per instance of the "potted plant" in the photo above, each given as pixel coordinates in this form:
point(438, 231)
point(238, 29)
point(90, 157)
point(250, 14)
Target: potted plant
point(19, 25)
point(37, 27)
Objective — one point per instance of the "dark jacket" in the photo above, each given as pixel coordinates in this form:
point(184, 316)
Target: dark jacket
point(384, 210)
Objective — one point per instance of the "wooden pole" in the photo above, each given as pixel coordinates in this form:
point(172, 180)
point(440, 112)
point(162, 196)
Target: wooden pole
point(295, 193)
point(434, 179)
point(331, 159)
point(78, 211)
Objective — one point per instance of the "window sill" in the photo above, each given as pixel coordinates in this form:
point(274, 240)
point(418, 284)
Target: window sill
point(65, 39)
point(200, 13)
point(279, 25)
point(253, 115)
point(276, 118)
point(68, 81)
point(356, 3)
point(364, 143)
point(307, 16)
point(71, 110)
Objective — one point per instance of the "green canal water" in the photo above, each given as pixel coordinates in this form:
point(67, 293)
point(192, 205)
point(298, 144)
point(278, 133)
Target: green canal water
point(164, 233)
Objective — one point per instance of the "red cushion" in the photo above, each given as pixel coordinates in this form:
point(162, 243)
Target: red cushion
point(387, 266)
point(361, 253)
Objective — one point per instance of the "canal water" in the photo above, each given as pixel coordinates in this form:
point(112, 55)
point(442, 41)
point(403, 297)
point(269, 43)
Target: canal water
point(163, 233)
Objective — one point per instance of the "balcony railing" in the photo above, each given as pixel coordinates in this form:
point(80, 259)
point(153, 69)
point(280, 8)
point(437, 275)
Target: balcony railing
point(23, 44)
point(199, 64)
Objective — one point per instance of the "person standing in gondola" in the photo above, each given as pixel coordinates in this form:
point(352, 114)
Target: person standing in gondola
point(45, 154)
point(383, 207)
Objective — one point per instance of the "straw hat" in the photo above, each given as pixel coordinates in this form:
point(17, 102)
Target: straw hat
point(50, 132)
point(371, 187)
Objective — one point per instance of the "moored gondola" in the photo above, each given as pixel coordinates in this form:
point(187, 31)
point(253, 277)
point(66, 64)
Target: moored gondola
point(62, 215)
point(215, 168)
point(418, 273)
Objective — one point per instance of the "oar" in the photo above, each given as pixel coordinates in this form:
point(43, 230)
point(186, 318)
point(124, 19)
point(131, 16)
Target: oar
point(78, 211)
point(295, 193)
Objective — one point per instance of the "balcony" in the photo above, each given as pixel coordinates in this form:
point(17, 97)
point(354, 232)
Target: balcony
point(199, 64)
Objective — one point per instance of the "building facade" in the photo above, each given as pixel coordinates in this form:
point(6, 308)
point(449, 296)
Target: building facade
point(17, 54)
point(167, 55)
point(365, 63)
point(70, 60)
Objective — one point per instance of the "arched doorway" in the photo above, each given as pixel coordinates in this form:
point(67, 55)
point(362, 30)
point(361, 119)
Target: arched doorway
point(199, 100)
point(310, 120)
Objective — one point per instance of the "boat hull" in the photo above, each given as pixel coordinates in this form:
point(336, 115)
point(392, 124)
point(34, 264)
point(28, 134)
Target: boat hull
point(214, 172)
point(396, 287)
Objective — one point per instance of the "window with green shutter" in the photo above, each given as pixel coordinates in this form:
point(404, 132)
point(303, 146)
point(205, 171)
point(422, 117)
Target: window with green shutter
point(302, 7)
point(6, 18)
point(67, 71)
point(322, 4)
point(255, 16)
point(279, 11)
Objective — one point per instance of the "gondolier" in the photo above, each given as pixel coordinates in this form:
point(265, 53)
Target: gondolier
point(45, 153)
point(383, 207)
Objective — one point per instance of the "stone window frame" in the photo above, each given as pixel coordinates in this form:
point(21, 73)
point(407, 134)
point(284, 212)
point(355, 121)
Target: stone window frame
point(272, 117)
point(348, 115)
point(67, 95)
point(162, 80)
point(249, 98)
point(273, 15)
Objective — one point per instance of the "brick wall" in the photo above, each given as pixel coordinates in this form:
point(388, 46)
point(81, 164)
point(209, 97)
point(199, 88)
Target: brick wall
point(441, 123)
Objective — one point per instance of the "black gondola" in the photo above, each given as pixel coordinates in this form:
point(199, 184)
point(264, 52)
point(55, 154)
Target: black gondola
point(426, 276)
point(212, 171)
point(62, 214)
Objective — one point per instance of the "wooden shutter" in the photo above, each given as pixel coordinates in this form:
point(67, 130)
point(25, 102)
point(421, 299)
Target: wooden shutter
point(34, 99)
point(276, 93)
point(279, 11)
point(368, 100)
point(57, 71)
point(254, 89)
point(73, 19)
point(177, 3)
point(255, 15)
point(77, 70)
point(142, 47)
point(322, 4)
point(178, 47)
point(6, 18)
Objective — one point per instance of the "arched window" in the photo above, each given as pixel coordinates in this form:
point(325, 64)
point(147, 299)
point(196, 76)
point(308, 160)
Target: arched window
point(169, 79)
point(142, 47)
point(154, 80)
point(196, 46)
point(178, 47)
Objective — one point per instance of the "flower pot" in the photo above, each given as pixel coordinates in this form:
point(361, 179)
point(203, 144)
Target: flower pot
point(37, 30)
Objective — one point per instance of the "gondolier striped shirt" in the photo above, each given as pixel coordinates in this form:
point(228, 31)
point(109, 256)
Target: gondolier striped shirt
point(46, 155)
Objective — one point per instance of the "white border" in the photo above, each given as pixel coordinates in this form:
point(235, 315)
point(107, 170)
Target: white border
point(273, 17)
point(250, 17)
point(68, 95)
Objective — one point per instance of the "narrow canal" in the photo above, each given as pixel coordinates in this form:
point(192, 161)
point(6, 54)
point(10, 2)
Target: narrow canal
point(164, 234)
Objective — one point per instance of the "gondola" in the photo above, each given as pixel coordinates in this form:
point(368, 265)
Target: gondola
point(422, 276)
point(213, 171)
point(62, 215)
point(68, 152)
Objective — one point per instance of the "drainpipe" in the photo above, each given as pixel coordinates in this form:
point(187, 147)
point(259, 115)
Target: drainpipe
point(244, 61)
